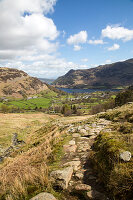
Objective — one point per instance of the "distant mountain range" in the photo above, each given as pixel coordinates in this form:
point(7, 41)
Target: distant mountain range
point(103, 76)
point(46, 80)
point(17, 83)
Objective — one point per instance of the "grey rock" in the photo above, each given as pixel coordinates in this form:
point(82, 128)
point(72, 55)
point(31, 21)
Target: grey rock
point(44, 196)
point(72, 142)
point(83, 131)
point(82, 187)
point(74, 164)
point(125, 156)
point(61, 178)
point(79, 175)
point(75, 135)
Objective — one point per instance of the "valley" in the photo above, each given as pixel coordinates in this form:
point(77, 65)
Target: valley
point(57, 145)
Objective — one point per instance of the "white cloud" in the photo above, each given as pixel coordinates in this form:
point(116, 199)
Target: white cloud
point(21, 33)
point(77, 48)
point(95, 42)
point(79, 38)
point(117, 32)
point(114, 47)
point(44, 66)
point(84, 60)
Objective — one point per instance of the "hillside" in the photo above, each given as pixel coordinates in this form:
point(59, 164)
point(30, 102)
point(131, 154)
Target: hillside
point(79, 158)
point(103, 76)
point(17, 83)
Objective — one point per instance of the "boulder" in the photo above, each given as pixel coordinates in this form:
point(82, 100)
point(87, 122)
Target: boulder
point(44, 196)
point(82, 187)
point(74, 164)
point(125, 156)
point(83, 131)
point(79, 175)
point(61, 178)
point(72, 142)
point(75, 135)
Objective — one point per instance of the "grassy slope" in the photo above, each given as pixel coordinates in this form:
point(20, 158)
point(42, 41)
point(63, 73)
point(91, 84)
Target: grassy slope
point(23, 124)
point(116, 175)
point(25, 172)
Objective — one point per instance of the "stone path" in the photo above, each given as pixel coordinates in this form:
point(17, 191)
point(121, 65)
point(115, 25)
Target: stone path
point(83, 183)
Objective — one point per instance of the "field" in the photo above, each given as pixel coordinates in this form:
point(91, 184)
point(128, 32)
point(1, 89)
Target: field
point(32, 104)
point(23, 124)
point(52, 102)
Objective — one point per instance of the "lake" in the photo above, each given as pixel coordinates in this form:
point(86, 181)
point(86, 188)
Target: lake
point(69, 90)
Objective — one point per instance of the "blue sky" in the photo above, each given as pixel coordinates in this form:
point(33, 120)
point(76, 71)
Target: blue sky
point(47, 38)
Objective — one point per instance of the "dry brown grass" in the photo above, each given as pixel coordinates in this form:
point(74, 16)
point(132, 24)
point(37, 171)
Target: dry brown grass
point(22, 173)
point(23, 124)
point(26, 171)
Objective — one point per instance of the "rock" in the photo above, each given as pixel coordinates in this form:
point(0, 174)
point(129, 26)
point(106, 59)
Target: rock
point(61, 178)
point(72, 142)
point(93, 194)
point(79, 128)
point(79, 175)
point(83, 131)
point(93, 125)
point(70, 148)
point(44, 196)
point(77, 158)
point(75, 135)
point(125, 156)
point(74, 164)
point(72, 130)
point(82, 187)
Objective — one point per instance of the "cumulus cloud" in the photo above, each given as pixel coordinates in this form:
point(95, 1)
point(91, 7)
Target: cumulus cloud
point(78, 38)
point(114, 47)
point(44, 66)
point(95, 42)
point(77, 48)
point(117, 32)
point(21, 32)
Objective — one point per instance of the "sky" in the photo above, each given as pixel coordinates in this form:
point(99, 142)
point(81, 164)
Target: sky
point(47, 38)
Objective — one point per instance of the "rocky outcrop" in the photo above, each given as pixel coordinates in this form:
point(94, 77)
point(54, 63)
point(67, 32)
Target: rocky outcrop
point(44, 196)
point(61, 178)
point(17, 83)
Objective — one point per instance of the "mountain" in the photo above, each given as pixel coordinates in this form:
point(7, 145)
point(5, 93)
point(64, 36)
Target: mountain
point(17, 83)
point(46, 80)
point(103, 76)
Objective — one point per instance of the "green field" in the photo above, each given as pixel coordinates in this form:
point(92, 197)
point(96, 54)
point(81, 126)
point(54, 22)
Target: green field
point(32, 103)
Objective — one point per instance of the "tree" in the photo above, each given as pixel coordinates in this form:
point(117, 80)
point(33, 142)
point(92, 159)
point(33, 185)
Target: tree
point(74, 109)
point(5, 108)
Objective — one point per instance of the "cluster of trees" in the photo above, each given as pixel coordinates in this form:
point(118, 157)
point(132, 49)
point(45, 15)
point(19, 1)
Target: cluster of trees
point(9, 109)
point(67, 110)
point(124, 97)
point(121, 99)
point(103, 107)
